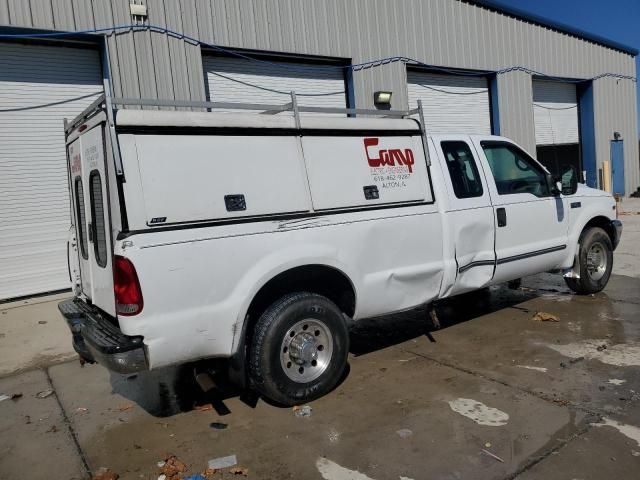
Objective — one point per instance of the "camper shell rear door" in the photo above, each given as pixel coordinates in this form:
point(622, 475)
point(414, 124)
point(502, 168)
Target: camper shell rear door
point(87, 160)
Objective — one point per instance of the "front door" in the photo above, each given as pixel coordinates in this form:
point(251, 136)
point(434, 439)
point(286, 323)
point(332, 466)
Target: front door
point(469, 213)
point(617, 166)
point(91, 214)
point(531, 223)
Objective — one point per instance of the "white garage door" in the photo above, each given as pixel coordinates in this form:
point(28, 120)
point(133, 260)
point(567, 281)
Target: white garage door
point(452, 104)
point(39, 86)
point(555, 110)
point(240, 80)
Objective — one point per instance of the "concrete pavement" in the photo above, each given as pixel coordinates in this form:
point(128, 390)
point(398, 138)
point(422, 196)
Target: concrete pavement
point(494, 394)
point(33, 334)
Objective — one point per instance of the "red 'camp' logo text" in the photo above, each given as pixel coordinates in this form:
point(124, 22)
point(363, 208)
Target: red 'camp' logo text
point(392, 156)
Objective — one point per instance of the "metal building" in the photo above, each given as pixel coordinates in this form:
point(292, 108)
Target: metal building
point(564, 95)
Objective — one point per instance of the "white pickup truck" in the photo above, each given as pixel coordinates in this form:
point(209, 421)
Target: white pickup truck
point(258, 237)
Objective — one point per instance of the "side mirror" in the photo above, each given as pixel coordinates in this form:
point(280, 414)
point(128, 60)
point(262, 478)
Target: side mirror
point(555, 187)
point(569, 179)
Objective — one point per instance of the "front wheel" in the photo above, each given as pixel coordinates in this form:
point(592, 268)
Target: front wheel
point(299, 349)
point(595, 262)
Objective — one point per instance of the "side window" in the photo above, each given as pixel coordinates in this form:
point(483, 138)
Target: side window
point(97, 214)
point(514, 171)
point(462, 169)
point(81, 218)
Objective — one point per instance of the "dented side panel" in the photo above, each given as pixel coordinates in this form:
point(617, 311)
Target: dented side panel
point(197, 284)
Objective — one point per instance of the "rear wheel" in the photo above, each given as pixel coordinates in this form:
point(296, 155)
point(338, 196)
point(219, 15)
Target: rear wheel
point(595, 262)
point(299, 349)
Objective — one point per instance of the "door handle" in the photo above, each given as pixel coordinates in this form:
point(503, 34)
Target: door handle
point(90, 232)
point(501, 213)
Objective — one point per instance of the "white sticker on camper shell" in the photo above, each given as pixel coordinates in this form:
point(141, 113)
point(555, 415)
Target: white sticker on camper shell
point(390, 167)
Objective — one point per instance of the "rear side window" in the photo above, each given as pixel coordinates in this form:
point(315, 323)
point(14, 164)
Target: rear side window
point(81, 218)
point(514, 171)
point(462, 169)
point(97, 213)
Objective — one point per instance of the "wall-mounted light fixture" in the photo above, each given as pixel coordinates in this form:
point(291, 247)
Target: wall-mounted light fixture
point(617, 136)
point(382, 98)
point(138, 11)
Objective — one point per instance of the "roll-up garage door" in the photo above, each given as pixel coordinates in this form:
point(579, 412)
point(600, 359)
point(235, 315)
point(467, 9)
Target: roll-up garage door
point(555, 110)
point(239, 80)
point(39, 86)
point(452, 104)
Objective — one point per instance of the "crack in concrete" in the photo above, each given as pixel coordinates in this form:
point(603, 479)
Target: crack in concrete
point(562, 443)
point(535, 460)
point(546, 398)
point(67, 422)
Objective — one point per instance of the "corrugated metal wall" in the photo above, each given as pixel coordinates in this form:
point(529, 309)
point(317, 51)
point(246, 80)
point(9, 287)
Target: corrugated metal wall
point(438, 32)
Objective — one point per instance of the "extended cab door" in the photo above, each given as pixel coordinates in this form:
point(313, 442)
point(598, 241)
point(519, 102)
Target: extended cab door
point(531, 223)
point(468, 212)
point(90, 201)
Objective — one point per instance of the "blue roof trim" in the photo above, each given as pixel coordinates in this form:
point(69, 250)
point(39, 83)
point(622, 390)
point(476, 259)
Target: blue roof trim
point(562, 27)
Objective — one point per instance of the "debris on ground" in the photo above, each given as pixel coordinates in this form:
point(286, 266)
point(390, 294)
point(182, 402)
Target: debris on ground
point(433, 315)
point(404, 433)
point(616, 381)
point(602, 347)
point(27, 419)
point(495, 457)
point(82, 410)
point(404, 360)
point(302, 411)
point(545, 317)
point(223, 462)
point(52, 429)
point(203, 408)
point(173, 467)
point(239, 471)
point(218, 425)
point(209, 472)
point(487, 445)
point(125, 407)
point(105, 474)
point(14, 396)
point(44, 394)
point(576, 360)
point(42, 322)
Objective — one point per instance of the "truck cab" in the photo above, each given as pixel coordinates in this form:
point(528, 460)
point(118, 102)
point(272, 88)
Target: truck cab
point(257, 238)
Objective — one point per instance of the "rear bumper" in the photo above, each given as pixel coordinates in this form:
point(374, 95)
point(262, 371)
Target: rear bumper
point(616, 229)
point(96, 339)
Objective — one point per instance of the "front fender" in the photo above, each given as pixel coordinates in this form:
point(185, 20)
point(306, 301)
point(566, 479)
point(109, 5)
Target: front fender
point(592, 208)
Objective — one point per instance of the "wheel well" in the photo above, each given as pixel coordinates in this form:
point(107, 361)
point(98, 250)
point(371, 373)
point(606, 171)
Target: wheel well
point(320, 279)
point(604, 223)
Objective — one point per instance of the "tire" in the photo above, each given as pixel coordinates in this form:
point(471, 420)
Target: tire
point(299, 349)
point(595, 262)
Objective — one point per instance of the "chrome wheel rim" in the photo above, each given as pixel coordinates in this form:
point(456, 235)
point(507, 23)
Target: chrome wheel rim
point(597, 261)
point(306, 350)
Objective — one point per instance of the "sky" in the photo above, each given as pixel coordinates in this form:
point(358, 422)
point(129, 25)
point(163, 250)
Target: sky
point(617, 20)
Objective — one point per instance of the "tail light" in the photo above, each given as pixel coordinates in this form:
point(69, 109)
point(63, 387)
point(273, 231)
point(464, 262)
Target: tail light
point(126, 287)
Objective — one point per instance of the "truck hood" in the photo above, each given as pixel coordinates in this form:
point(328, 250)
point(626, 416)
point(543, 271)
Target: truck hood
point(584, 191)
